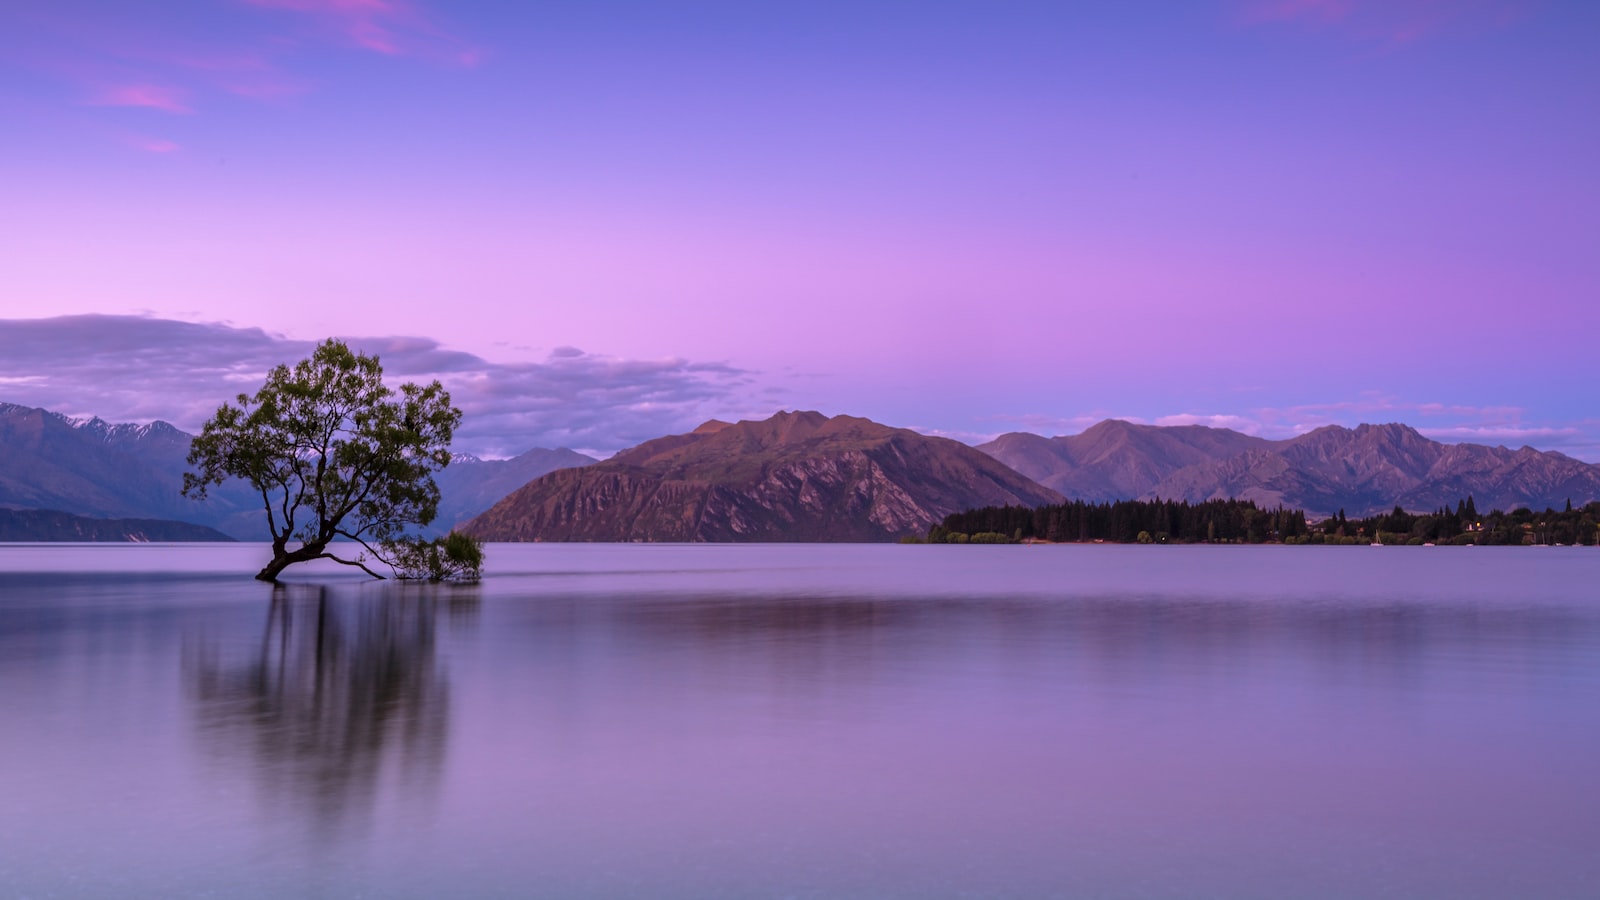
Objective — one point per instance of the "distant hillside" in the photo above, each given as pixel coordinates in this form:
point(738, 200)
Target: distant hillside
point(1369, 469)
point(803, 477)
point(1116, 460)
point(98, 469)
point(94, 468)
point(50, 525)
point(1364, 470)
point(469, 485)
point(794, 477)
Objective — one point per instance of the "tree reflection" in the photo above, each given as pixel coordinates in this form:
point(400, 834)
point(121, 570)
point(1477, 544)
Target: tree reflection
point(343, 699)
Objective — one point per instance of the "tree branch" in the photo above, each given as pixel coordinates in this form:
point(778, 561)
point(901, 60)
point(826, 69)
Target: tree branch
point(272, 521)
point(369, 548)
point(354, 562)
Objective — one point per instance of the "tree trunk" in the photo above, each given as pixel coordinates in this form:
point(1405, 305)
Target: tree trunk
point(283, 558)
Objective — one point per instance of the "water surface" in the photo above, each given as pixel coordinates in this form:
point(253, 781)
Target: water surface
point(805, 721)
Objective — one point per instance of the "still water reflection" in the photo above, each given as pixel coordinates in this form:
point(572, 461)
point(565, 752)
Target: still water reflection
point(335, 703)
point(806, 721)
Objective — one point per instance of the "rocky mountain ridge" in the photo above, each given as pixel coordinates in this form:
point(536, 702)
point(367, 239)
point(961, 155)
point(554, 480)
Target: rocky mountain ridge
point(1363, 470)
point(88, 467)
point(804, 476)
point(1115, 460)
point(797, 476)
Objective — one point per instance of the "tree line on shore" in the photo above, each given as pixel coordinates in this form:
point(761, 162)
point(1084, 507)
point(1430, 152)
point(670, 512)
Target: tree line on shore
point(1243, 522)
point(1465, 525)
point(1125, 522)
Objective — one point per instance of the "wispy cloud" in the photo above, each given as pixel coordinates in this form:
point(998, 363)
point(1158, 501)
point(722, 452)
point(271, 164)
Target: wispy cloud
point(390, 27)
point(149, 96)
point(1323, 11)
point(1215, 420)
point(1050, 425)
point(254, 50)
point(134, 368)
point(964, 436)
point(1376, 406)
point(251, 73)
point(266, 87)
point(1511, 435)
point(1391, 22)
point(154, 145)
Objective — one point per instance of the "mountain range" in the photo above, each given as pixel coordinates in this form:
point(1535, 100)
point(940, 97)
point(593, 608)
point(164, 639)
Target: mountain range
point(1364, 470)
point(797, 476)
point(470, 485)
point(1116, 460)
point(53, 525)
point(90, 467)
point(94, 468)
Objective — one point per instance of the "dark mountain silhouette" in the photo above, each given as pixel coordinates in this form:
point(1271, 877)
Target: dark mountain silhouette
point(797, 476)
point(1364, 470)
point(53, 525)
point(98, 469)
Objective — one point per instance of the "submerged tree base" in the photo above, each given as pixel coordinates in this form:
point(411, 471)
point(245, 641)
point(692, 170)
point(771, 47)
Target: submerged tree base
point(283, 558)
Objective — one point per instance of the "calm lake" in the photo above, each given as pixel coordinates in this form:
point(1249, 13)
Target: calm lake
point(805, 721)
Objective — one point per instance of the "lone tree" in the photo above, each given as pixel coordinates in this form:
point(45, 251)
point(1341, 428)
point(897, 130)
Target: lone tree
point(334, 454)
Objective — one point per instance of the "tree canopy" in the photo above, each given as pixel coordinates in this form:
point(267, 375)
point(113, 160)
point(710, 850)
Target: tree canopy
point(334, 453)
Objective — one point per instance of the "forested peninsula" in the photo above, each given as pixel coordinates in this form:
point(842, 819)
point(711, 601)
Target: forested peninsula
point(1243, 522)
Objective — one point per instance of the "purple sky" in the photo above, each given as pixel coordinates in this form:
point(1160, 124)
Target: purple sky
point(968, 218)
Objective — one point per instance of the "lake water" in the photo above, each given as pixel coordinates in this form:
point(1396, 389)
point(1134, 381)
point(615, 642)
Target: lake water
point(805, 721)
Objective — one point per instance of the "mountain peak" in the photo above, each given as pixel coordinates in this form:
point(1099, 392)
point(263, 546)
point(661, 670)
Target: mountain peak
point(782, 427)
point(1366, 469)
point(1111, 425)
point(1115, 459)
point(1109, 429)
point(792, 424)
point(1391, 430)
point(795, 476)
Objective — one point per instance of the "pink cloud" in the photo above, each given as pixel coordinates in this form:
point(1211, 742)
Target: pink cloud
point(142, 65)
point(265, 87)
point(1384, 21)
point(1292, 10)
point(154, 145)
point(373, 37)
point(242, 73)
point(381, 26)
point(1041, 423)
point(335, 7)
point(1217, 420)
point(229, 63)
point(1505, 434)
point(148, 96)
